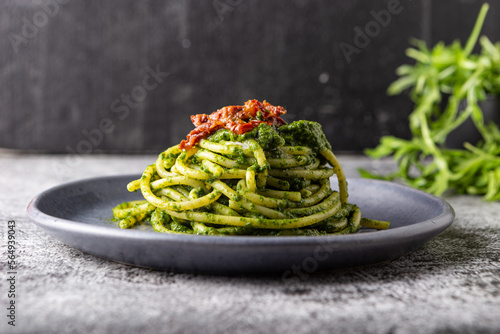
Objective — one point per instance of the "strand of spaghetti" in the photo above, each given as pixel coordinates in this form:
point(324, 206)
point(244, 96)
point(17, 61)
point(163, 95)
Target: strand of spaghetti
point(328, 202)
point(305, 193)
point(170, 155)
point(260, 156)
point(353, 223)
point(303, 231)
point(127, 205)
point(261, 179)
point(128, 222)
point(257, 151)
point(296, 150)
point(173, 194)
point(166, 160)
point(219, 159)
point(200, 228)
point(193, 194)
point(196, 172)
point(185, 205)
point(214, 169)
point(336, 226)
point(345, 221)
point(183, 190)
point(305, 173)
point(134, 210)
point(323, 191)
point(373, 223)
point(158, 221)
point(296, 161)
point(287, 223)
point(175, 180)
point(224, 210)
point(278, 183)
point(278, 154)
point(312, 187)
point(160, 168)
point(233, 173)
point(250, 180)
point(313, 165)
point(182, 168)
point(307, 182)
point(242, 203)
point(233, 230)
point(177, 226)
point(356, 220)
point(332, 159)
point(345, 210)
point(291, 195)
point(269, 202)
point(227, 148)
point(134, 185)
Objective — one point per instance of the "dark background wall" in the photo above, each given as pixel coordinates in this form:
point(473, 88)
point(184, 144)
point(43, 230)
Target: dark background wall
point(76, 76)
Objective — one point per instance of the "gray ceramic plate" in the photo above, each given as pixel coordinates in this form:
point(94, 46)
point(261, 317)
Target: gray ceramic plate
point(79, 214)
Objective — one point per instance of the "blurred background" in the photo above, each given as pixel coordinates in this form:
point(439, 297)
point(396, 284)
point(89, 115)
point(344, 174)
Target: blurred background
point(125, 75)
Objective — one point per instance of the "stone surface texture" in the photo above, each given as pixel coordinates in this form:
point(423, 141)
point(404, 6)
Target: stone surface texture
point(451, 285)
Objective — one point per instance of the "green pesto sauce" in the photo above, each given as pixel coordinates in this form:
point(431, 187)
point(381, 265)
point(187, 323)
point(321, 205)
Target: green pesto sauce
point(178, 227)
point(298, 133)
point(169, 156)
point(199, 193)
point(266, 135)
point(222, 135)
point(298, 183)
point(305, 133)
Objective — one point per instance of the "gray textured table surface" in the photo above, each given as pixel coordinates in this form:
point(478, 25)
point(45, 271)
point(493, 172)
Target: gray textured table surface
point(451, 285)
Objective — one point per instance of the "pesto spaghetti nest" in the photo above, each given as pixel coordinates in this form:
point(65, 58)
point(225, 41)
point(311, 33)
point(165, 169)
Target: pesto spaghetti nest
point(272, 179)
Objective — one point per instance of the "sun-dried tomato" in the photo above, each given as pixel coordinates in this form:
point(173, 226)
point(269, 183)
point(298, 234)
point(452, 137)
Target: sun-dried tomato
point(238, 119)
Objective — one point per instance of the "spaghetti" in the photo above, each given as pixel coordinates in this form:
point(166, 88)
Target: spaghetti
point(244, 171)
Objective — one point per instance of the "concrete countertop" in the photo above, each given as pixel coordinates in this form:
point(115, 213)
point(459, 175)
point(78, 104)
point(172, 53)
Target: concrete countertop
point(451, 285)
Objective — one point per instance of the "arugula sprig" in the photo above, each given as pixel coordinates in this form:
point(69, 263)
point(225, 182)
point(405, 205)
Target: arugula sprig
point(453, 77)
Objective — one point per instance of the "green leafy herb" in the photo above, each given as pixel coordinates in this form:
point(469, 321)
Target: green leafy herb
point(447, 82)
